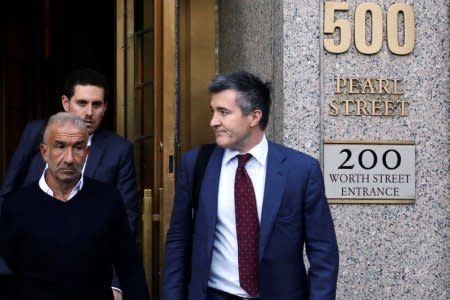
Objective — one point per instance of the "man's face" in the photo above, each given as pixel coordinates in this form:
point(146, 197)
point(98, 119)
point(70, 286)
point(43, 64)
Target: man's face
point(88, 102)
point(232, 128)
point(65, 150)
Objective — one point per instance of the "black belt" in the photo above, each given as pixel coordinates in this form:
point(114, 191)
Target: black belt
point(225, 296)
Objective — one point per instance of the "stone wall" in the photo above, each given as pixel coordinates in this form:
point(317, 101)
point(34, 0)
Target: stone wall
point(387, 251)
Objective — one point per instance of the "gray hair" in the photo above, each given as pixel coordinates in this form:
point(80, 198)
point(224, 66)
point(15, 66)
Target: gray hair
point(62, 118)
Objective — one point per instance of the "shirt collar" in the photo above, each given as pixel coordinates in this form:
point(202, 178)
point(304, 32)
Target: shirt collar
point(259, 152)
point(46, 189)
point(89, 142)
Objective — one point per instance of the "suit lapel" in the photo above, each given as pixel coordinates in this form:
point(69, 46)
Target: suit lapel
point(273, 192)
point(96, 152)
point(209, 192)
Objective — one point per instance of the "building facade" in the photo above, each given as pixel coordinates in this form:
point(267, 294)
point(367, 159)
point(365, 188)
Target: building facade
point(334, 67)
point(362, 86)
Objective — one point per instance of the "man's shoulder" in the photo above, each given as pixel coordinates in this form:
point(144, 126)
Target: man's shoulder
point(30, 188)
point(291, 153)
point(95, 184)
point(36, 123)
point(23, 197)
point(204, 150)
point(110, 138)
point(98, 187)
point(33, 128)
point(105, 193)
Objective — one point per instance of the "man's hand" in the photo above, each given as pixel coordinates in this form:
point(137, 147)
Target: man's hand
point(117, 294)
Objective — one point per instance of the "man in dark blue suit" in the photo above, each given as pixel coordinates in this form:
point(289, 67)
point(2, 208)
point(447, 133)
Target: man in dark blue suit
point(110, 159)
point(222, 254)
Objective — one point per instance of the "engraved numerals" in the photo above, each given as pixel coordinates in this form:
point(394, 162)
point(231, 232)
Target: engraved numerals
point(368, 28)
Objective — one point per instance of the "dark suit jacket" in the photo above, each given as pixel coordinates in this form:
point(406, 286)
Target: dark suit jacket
point(110, 161)
point(295, 215)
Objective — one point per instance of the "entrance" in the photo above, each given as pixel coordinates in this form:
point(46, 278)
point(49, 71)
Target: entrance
point(145, 81)
point(162, 76)
point(158, 57)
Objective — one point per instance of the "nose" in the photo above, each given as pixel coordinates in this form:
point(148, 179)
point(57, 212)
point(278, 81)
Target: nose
point(214, 121)
point(89, 110)
point(68, 157)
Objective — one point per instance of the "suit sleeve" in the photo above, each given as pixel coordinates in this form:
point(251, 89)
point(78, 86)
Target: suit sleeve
point(16, 172)
point(127, 186)
point(177, 260)
point(126, 261)
point(321, 245)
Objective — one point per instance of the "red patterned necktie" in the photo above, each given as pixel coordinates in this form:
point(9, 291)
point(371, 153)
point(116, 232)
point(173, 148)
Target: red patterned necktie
point(247, 228)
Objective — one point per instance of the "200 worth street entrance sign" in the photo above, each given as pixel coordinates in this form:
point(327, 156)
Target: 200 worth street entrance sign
point(369, 171)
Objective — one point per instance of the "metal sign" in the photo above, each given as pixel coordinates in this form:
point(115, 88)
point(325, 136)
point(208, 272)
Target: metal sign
point(372, 172)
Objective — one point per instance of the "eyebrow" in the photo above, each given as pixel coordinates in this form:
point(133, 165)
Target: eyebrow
point(219, 108)
point(93, 101)
point(75, 143)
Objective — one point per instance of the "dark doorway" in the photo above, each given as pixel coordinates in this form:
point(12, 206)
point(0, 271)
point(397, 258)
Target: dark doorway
point(40, 43)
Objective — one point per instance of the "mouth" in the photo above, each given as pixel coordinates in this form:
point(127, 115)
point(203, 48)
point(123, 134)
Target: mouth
point(88, 121)
point(219, 132)
point(90, 125)
point(67, 170)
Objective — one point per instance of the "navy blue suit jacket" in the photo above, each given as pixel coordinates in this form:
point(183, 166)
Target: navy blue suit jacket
point(110, 161)
point(295, 215)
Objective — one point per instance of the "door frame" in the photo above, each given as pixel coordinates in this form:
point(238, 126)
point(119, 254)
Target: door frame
point(185, 60)
point(164, 117)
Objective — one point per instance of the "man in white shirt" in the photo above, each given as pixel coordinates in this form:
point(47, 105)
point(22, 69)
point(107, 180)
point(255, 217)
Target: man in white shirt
point(111, 160)
point(61, 236)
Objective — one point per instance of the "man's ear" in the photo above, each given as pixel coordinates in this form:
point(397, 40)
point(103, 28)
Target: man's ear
point(256, 116)
point(65, 103)
point(43, 148)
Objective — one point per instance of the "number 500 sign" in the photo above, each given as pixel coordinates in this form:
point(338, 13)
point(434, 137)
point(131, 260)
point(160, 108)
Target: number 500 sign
point(364, 43)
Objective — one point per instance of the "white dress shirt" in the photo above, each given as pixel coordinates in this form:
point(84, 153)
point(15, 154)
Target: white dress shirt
point(46, 189)
point(224, 265)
